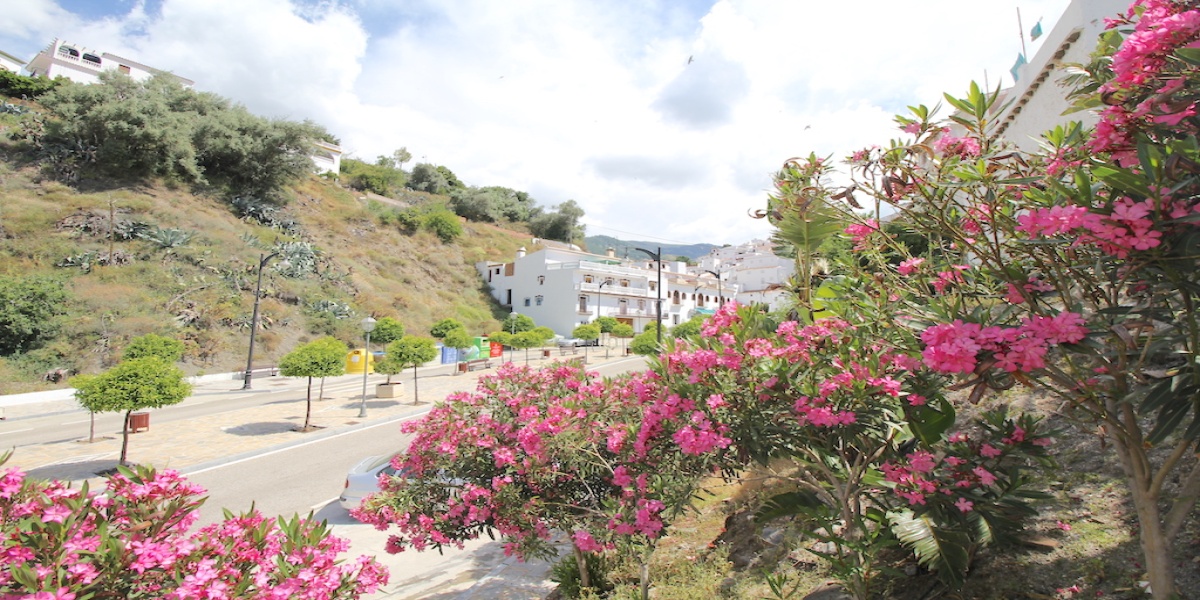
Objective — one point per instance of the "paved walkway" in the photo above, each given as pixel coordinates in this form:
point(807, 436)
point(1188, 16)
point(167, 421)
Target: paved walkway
point(194, 443)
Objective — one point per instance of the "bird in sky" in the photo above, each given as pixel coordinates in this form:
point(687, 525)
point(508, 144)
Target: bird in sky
point(689, 60)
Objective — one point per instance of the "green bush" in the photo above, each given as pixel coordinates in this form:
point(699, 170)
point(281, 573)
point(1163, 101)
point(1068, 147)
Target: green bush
point(443, 224)
point(29, 311)
point(441, 328)
point(565, 573)
point(20, 86)
point(168, 349)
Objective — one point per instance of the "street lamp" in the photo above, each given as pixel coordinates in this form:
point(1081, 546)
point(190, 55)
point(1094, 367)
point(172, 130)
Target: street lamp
point(657, 256)
point(368, 325)
point(720, 296)
point(262, 262)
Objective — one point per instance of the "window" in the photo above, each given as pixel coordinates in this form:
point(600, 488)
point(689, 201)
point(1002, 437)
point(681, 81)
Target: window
point(641, 305)
point(527, 302)
point(508, 297)
point(624, 283)
point(675, 297)
point(541, 280)
point(91, 58)
point(588, 279)
point(123, 68)
point(622, 306)
point(583, 302)
point(608, 281)
point(538, 299)
point(674, 319)
point(653, 285)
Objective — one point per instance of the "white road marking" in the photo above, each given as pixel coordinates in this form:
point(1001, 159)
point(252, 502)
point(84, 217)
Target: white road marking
point(285, 449)
point(16, 431)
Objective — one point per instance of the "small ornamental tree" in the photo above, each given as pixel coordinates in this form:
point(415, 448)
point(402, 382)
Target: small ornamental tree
point(168, 349)
point(607, 324)
point(132, 540)
point(526, 340)
point(623, 331)
point(444, 326)
point(516, 323)
point(325, 357)
point(503, 338)
point(410, 351)
point(458, 339)
point(136, 384)
point(387, 330)
point(588, 332)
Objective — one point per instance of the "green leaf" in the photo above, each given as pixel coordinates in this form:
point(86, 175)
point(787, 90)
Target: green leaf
point(1190, 55)
point(928, 424)
point(1160, 393)
point(1169, 419)
point(942, 550)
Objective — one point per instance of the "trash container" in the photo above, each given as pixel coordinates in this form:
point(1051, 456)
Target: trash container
point(355, 362)
point(495, 349)
point(139, 421)
point(449, 355)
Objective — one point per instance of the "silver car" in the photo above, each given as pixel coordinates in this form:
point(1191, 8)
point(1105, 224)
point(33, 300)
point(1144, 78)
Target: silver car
point(363, 479)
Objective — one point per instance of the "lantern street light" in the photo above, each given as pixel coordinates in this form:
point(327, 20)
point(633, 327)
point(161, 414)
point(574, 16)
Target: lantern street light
point(368, 325)
point(720, 296)
point(657, 256)
point(262, 262)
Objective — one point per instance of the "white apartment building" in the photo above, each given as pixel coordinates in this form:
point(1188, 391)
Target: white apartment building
point(1037, 99)
point(751, 273)
point(84, 65)
point(562, 288)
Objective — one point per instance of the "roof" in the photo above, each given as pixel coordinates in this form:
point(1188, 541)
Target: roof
point(19, 61)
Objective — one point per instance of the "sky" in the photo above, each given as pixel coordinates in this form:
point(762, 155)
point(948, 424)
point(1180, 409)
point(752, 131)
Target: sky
point(662, 119)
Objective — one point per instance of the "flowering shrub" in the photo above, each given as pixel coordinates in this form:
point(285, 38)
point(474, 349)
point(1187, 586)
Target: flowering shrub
point(1073, 271)
point(132, 541)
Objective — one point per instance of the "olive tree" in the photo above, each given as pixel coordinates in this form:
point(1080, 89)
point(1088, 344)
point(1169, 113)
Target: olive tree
point(148, 382)
point(319, 358)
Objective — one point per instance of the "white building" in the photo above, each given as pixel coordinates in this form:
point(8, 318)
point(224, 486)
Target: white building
point(84, 65)
point(9, 62)
point(562, 288)
point(751, 273)
point(327, 157)
point(1037, 99)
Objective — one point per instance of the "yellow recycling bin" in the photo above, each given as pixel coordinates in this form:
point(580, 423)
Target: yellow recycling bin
point(354, 361)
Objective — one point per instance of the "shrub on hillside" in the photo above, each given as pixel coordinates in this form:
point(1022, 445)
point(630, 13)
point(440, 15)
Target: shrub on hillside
point(29, 311)
point(443, 224)
point(20, 86)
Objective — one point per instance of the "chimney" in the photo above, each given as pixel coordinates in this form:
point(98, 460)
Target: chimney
point(521, 252)
point(611, 252)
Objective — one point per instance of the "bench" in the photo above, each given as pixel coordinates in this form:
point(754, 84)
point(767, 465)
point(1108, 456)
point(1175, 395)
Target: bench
point(479, 363)
point(256, 372)
point(471, 365)
point(565, 350)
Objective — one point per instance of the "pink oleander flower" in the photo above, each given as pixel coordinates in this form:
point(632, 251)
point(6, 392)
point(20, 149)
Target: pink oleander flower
point(964, 505)
point(963, 147)
point(859, 232)
point(908, 267)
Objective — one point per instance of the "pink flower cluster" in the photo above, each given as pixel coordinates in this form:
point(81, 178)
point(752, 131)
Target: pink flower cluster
point(957, 347)
point(860, 232)
point(962, 147)
point(1129, 226)
point(88, 545)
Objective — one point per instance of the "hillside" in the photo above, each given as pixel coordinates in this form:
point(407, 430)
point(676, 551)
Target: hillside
point(197, 283)
point(598, 244)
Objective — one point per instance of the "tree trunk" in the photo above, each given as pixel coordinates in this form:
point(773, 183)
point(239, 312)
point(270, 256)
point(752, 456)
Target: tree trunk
point(92, 428)
point(321, 390)
point(415, 399)
point(308, 405)
point(585, 580)
point(125, 437)
point(1159, 568)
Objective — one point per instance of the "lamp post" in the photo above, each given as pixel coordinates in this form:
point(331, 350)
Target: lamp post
point(657, 256)
point(720, 296)
point(368, 325)
point(262, 262)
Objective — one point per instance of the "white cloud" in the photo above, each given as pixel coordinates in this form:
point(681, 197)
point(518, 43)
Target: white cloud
point(591, 101)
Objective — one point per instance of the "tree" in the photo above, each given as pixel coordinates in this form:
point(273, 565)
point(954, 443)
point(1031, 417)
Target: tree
point(458, 339)
point(517, 323)
point(444, 326)
point(427, 178)
point(688, 328)
point(387, 330)
point(588, 332)
point(526, 340)
point(325, 357)
point(408, 351)
point(646, 342)
point(137, 384)
point(623, 331)
point(607, 324)
point(168, 349)
point(29, 311)
point(562, 224)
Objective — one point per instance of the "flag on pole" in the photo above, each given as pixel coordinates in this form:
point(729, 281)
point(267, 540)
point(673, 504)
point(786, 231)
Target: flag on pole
point(1016, 67)
point(1036, 32)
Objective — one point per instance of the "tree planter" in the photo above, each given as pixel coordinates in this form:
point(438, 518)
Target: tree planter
point(389, 390)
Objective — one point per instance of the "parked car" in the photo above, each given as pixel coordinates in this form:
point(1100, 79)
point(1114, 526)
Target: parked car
point(363, 479)
point(566, 342)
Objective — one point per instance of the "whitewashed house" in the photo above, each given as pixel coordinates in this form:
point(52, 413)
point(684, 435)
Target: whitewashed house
point(84, 65)
point(1036, 101)
point(326, 157)
point(751, 273)
point(9, 62)
point(562, 288)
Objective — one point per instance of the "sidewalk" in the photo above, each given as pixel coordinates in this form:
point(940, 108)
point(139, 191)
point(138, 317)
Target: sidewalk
point(193, 443)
